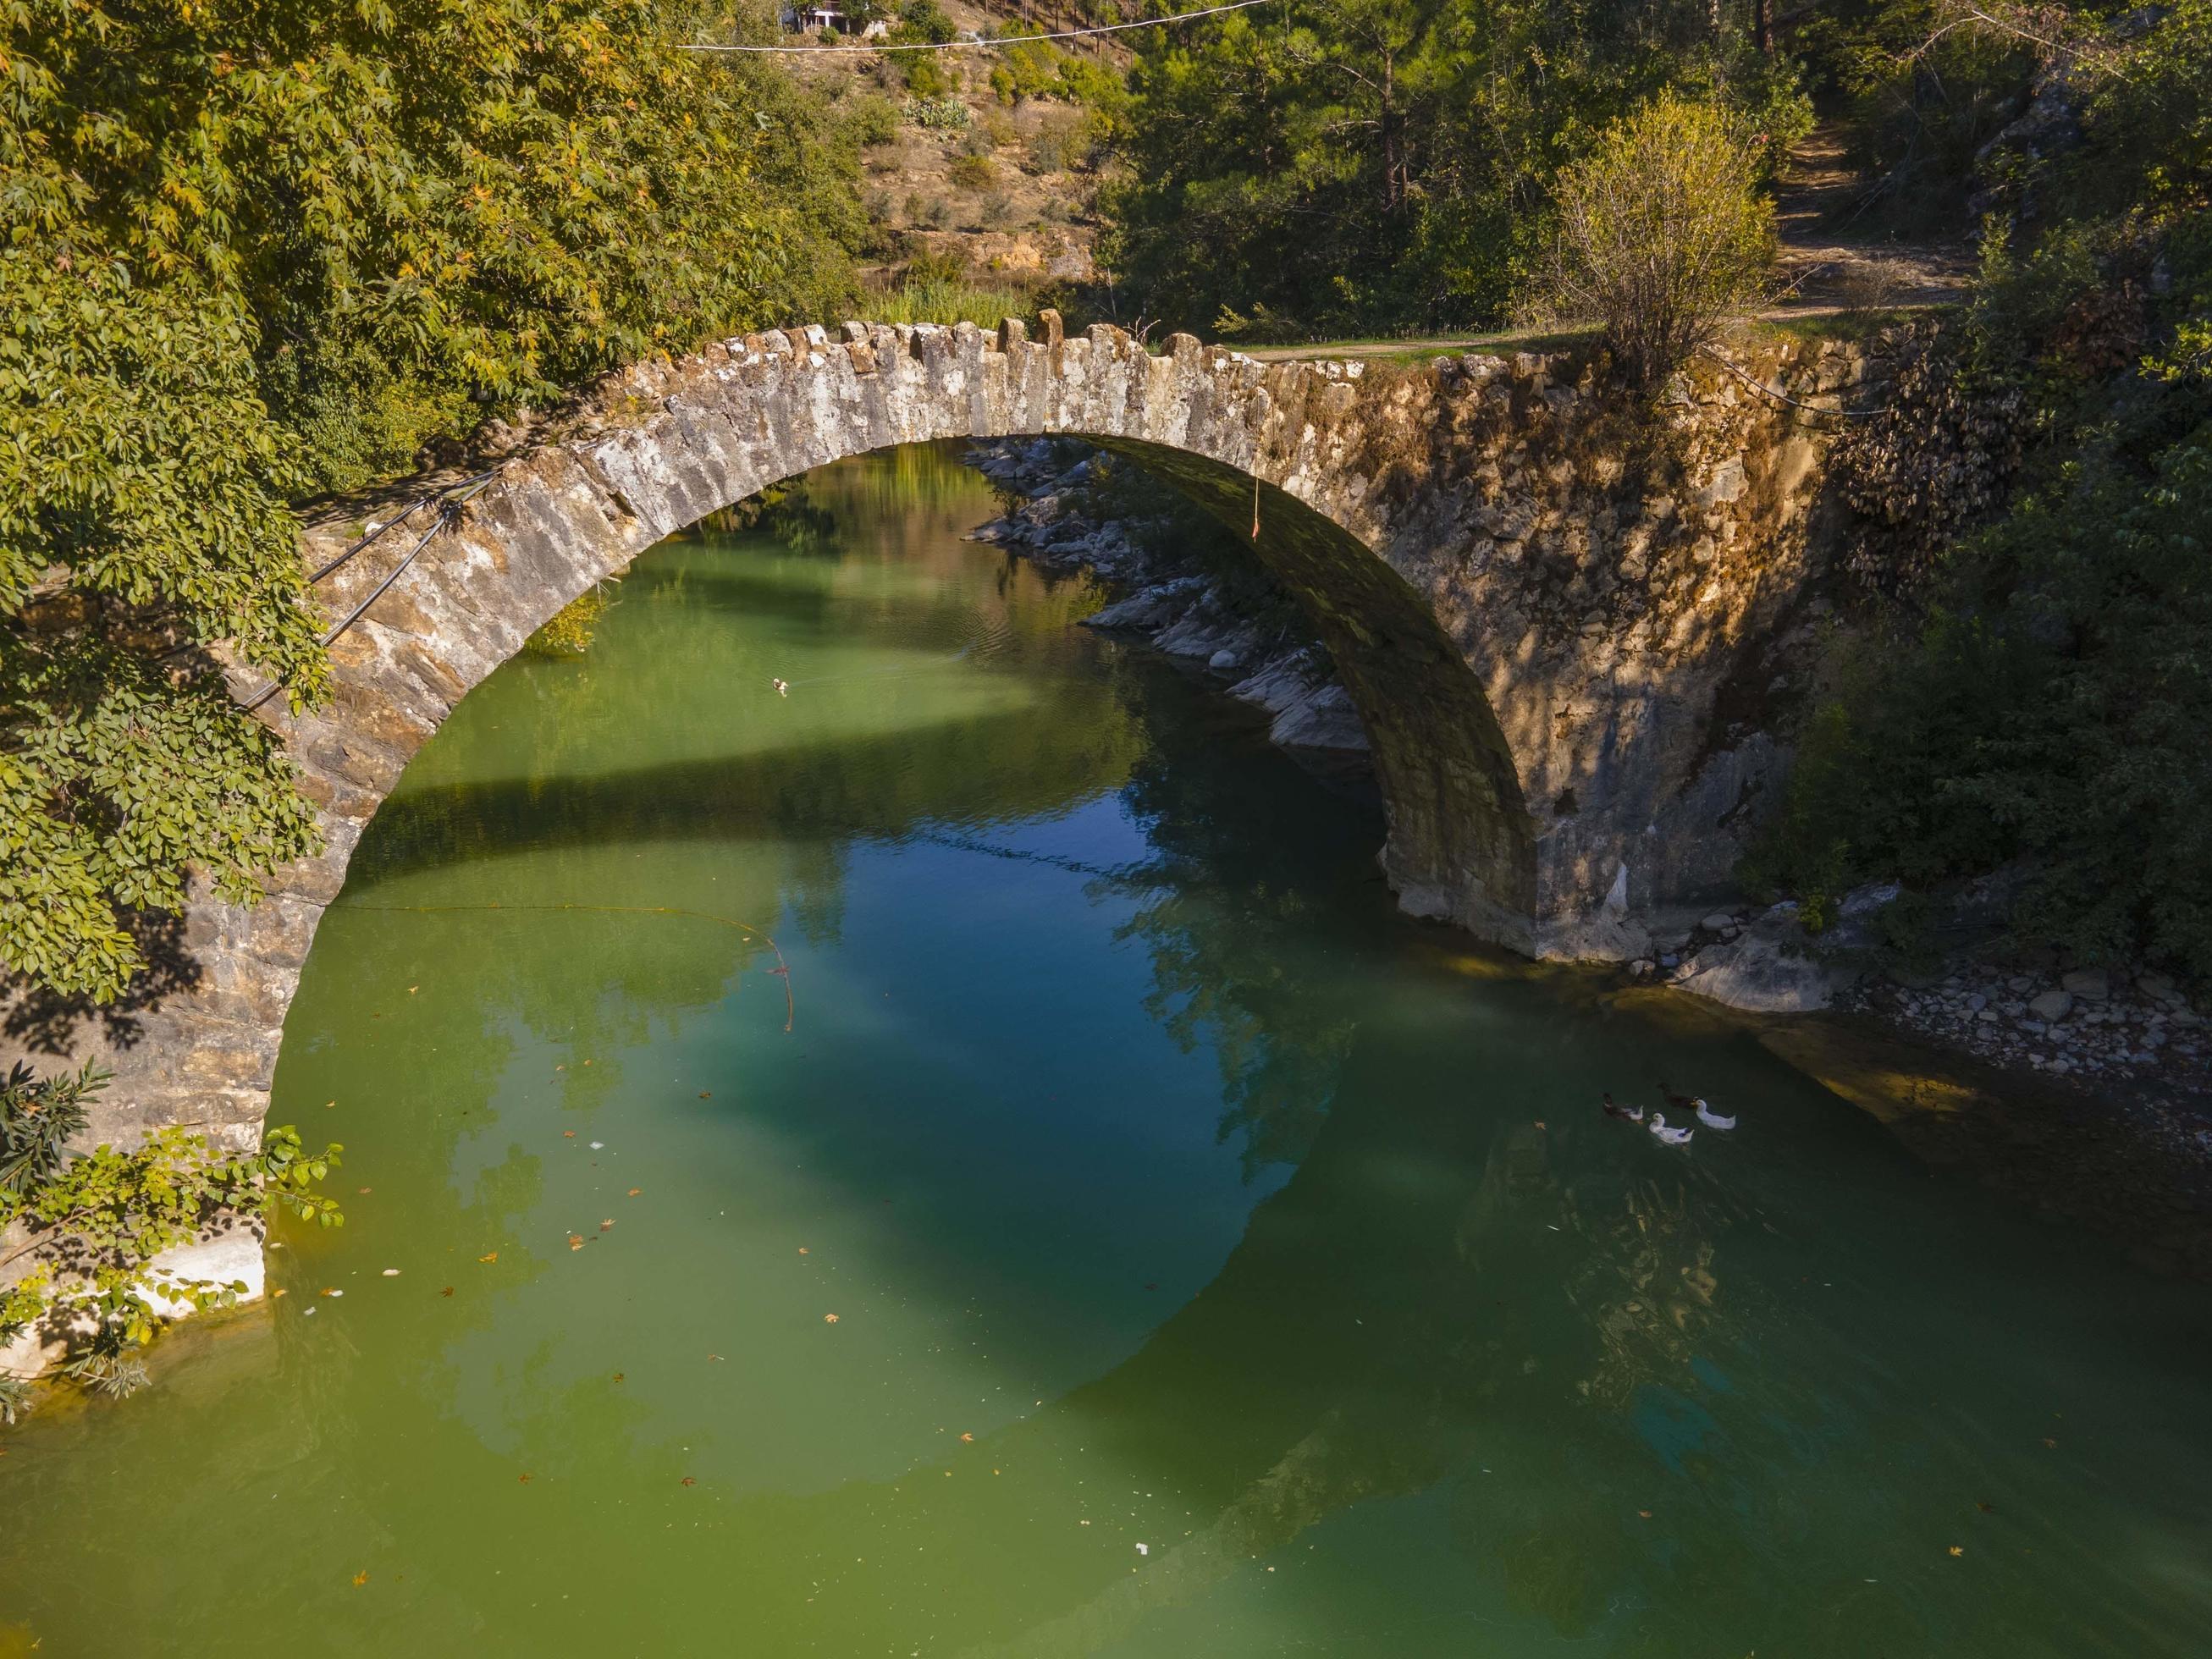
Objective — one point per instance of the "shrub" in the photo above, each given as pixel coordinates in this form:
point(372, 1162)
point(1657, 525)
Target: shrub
point(923, 22)
point(938, 300)
point(97, 1221)
point(922, 75)
point(1661, 235)
point(873, 119)
point(971, 173)
point(1047, 153)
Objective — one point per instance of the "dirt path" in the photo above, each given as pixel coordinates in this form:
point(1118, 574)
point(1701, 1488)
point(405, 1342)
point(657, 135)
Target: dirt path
point(1832, 257)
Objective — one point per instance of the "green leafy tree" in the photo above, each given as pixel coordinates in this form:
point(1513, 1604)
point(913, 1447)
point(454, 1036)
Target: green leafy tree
point(253, 250)
point(1663, 234)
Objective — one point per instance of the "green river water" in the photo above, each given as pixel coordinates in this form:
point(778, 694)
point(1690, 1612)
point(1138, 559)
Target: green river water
point(1221, 1264)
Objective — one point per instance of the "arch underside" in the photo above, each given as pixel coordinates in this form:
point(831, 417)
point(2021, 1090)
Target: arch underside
point(1460, 844)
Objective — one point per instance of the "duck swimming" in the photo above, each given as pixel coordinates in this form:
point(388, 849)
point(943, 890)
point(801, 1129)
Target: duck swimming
point(782, 687)
point(1711, 1119)
point(1671, 1136)
point(1627, 1114)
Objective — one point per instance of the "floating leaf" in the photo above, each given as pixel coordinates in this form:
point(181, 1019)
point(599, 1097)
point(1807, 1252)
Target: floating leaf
point(359, 1579)
point(448, 1290)
point(523, 1480)
point(688, 1481)
point(494, 1256)
point(1956, 1550)
point(634, 1191)
point(828, 1319)
point(576, 1241)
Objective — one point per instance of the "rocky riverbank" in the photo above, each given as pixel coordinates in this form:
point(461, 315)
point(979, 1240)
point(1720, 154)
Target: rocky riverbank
point(1164, 594)
point(2085, 1091)
point(2011, 1008)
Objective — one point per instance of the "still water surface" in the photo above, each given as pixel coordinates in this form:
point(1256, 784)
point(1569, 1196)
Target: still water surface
point(1141, 1242)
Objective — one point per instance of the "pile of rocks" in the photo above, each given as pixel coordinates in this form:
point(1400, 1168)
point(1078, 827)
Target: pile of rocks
point(2086, 1024)
point(1164, 600)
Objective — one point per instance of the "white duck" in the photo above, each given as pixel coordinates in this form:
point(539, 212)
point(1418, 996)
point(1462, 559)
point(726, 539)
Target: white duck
point(1711, 1119)
point(1671, 1136)
point(782, 687)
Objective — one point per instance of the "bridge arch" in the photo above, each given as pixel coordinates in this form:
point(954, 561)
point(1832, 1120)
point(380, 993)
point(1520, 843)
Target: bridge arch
point(656, 449)
point(1535, 641)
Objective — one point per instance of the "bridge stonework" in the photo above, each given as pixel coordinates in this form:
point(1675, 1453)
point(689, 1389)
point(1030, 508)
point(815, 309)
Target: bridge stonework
point(1536, 596)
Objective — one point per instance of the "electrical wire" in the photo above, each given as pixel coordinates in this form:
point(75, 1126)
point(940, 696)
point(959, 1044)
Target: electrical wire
point(1008, 40)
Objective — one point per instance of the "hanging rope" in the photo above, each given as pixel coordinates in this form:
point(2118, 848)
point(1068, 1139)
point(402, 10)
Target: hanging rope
point(1008, 40)
point(1783, 396)
point(1256, 507)
point(781, 968)
point(450, 502)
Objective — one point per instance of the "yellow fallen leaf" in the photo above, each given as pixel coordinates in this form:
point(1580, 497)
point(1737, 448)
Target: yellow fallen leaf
point(494, 1256)
point(360, 1579)
point(604, 1225)
point(576, 1241)
point(1955, 1550)
point(828, 1319)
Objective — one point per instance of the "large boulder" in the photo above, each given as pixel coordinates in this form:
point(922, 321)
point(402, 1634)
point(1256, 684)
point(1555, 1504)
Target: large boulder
point(1768, 969)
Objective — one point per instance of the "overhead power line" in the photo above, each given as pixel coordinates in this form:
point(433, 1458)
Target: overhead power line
point(1008, 40)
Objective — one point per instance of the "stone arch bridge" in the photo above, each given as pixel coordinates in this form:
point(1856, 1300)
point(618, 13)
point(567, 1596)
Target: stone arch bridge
point(1542, 604)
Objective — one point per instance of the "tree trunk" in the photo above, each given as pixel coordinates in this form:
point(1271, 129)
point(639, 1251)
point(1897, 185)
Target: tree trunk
point(1762, 13)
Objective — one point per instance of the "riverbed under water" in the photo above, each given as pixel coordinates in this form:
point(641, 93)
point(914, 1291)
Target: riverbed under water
point(1119, 1233)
